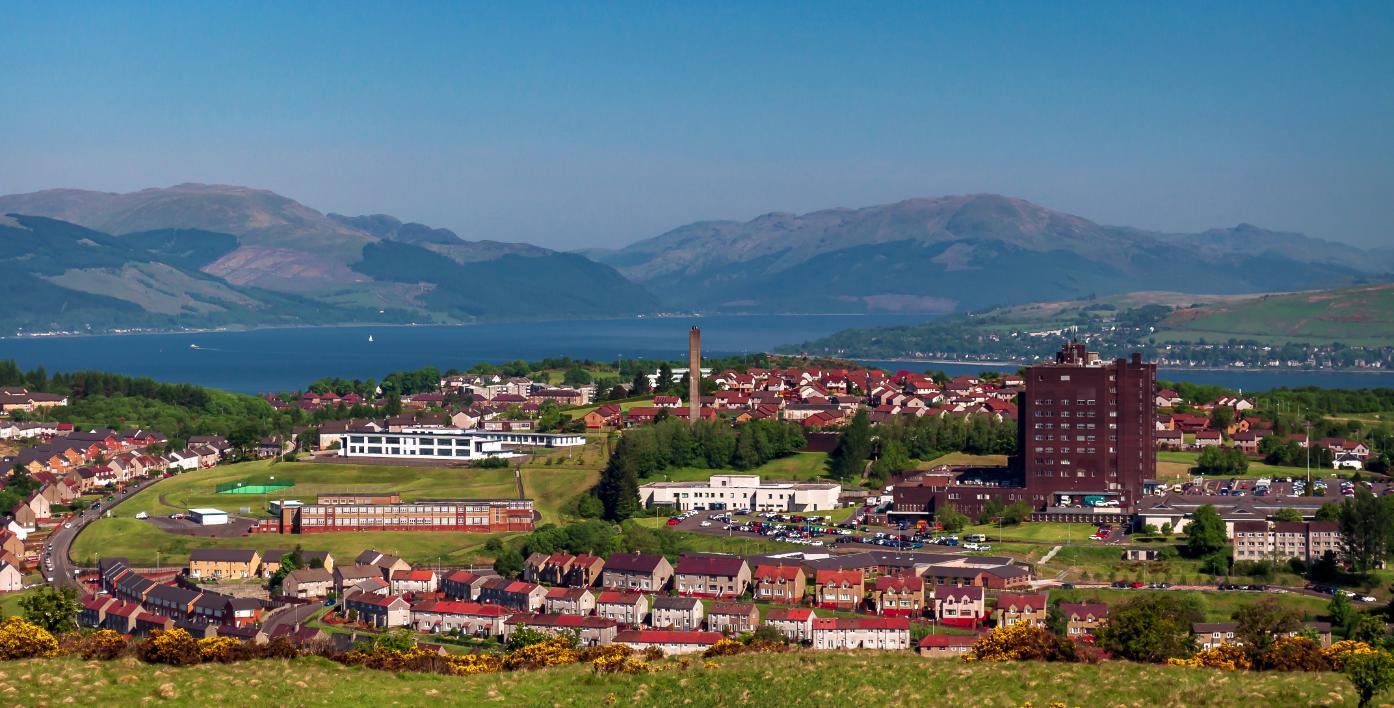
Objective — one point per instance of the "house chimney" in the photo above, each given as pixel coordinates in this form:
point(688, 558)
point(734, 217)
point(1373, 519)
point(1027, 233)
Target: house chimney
point(694, 374)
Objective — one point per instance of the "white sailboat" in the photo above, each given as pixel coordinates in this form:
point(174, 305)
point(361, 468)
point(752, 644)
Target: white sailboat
point(370, 338)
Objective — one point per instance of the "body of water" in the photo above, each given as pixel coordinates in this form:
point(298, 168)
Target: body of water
point(289, 359)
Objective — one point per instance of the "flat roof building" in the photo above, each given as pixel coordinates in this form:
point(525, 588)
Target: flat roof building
point(741, 491)
point(447, 443)
point(208, 517)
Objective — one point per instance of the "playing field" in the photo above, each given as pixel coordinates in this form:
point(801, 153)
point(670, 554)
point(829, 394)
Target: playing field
point(550, 486)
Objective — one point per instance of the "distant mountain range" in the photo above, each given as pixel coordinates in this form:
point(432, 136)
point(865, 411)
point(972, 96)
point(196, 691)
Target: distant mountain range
point(267, 259)
point(964, 252)
point(197, 255)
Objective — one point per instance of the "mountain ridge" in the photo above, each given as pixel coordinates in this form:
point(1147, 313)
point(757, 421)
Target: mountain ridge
point(939, 237)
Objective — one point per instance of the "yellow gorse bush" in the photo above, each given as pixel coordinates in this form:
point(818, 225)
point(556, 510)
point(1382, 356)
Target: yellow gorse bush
point(1227, 657)
point(224, 650)
point(553, 652)
point(20, 639)
point(1340, 651)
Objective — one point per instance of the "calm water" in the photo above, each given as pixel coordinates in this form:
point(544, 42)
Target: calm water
point(288, 359)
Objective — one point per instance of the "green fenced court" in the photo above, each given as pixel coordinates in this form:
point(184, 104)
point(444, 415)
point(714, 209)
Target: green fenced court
point(255, 487)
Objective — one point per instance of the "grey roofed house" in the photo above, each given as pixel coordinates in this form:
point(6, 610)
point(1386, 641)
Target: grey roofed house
point(171, 596)
point(668, 602)
point(222, 555)
point(357, 572)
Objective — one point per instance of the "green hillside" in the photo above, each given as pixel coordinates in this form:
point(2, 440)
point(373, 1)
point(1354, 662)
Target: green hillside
point(1359, 315)
point(793, 679)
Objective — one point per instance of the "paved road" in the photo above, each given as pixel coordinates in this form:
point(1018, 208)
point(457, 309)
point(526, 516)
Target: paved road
point(289, 615)
point(60, 542)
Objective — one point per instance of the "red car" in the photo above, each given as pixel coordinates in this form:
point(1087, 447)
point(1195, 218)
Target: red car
point(1137, 585)
point(673, 522)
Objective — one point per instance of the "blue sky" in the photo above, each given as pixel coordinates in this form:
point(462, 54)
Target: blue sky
point(597, 124)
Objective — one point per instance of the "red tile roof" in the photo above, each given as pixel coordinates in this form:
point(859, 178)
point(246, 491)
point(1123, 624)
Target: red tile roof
point(664, 636)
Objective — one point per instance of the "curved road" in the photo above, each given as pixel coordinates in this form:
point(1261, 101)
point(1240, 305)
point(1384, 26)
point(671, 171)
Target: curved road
point(60, 542)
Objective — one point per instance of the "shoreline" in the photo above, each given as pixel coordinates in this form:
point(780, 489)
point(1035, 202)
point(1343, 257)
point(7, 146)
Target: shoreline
point(1252, 369)
point(346, 325)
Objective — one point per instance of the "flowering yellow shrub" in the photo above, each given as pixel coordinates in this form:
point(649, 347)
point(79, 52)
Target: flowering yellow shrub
point(174, 646)
point(1340, 651)
point(1227, 657)
point(104, 644)
point(1021, 642)
point(620, 664)
point(465, 664)
point(224, 650)
point(725, 647)
point(21, 640)
point(553, 652)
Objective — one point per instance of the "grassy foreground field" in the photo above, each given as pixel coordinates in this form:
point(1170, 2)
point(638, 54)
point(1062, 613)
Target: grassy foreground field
point(794, 679)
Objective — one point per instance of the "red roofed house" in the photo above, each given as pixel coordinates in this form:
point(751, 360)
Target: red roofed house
point(604, 416)
point(379, 610)
point(670, 641)
point(515, 594)
point(861, 633)
point(796, 623)
point(472, 618)
point(940, 645)
point(711, 575)
point(839, 589)
point(1013, 608)
point(780, 583)
point(568, 601)
point(899, 596)
point(413, 581)
point(463, 585)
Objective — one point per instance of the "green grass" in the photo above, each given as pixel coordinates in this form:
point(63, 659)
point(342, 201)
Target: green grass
point(144, 544)
point(1219, 606)
point(9, 602)
point(1256, 469)
point(1358, 315)
point(800, 467)
point(1037, 532)
point(550, 486)
point(794, 679)
point(963, 458)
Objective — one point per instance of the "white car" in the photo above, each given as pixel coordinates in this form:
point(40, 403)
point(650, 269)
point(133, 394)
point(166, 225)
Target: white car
point(1367, 598)
point(706, 523)
point(68, 525)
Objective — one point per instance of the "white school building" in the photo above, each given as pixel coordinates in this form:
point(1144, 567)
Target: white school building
point(454, 443)
point(742, 491)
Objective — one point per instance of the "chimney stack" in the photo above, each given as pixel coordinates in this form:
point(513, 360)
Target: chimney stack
point(694, 374)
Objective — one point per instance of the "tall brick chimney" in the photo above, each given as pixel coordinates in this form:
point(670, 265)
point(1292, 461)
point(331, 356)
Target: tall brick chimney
point(694, 375)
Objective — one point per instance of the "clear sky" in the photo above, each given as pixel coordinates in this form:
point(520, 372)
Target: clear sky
point(597, 124)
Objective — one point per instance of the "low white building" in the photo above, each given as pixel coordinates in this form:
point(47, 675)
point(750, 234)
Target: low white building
point(861, 633)
point(208, 517)
point(742, 491)
point(447, 443)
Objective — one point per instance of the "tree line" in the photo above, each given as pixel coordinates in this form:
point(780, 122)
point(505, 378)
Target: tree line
point(647, 451)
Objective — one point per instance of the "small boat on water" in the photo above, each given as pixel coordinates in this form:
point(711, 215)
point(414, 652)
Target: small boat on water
point(193, 346)
point(370, 337)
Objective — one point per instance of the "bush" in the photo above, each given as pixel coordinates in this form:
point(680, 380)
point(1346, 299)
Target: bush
point(1337, 654)
point(615, 659)
point(553, 652)
point(725, 647)
point(1294, 654)
point(1226, 657)
point(465, 664)
point(175, 647)
point(223, 650)
point(104, 645)
point(20, 639)
point(1022, 642)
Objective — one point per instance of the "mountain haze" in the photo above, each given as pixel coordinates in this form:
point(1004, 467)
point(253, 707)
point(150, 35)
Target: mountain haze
point(962, 252)
point(268, 243)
